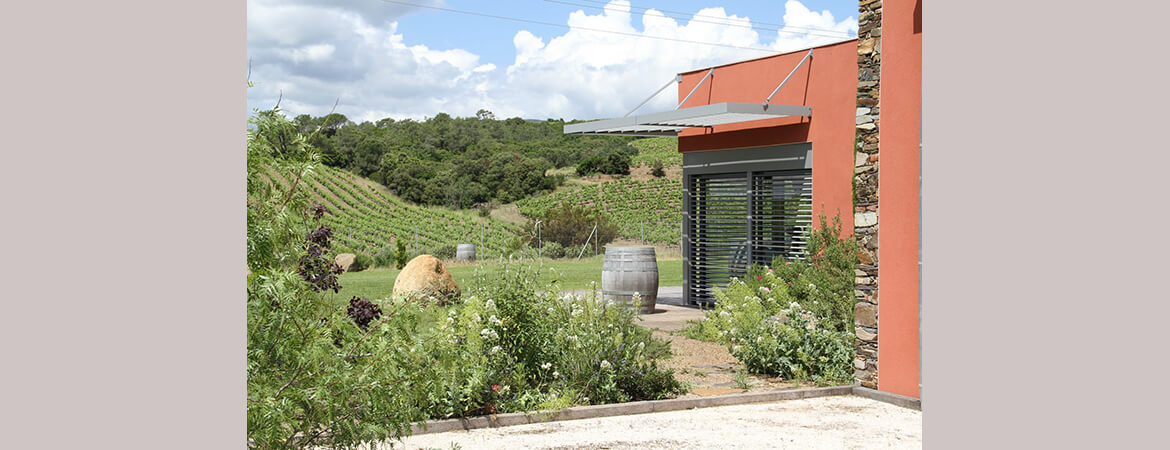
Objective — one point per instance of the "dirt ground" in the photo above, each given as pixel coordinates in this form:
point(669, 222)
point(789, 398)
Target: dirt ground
point(823, 422)
point(711, 370)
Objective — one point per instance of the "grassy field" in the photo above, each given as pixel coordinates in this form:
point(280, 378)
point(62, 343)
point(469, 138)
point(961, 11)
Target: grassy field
point(379, 283)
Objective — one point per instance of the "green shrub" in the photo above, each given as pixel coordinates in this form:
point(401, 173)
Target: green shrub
point(526, 253)
point(794, 320)
point(515, 345)
point(552, 250)
point(792, 346)
point(361, 262)
point(576, 345)
point(625, 205)
point(384, 257)
point(771, 333)
point(571, 226)
point(823, 282)
point(445, 252)
point(657, 169)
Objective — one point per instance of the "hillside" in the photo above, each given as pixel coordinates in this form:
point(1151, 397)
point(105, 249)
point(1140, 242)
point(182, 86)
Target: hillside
point(641, 205)
point(456, 162)
point(366, 217)
point(663, 149)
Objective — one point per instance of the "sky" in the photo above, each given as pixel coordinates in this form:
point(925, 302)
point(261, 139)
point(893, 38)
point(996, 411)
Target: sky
point(559, 59)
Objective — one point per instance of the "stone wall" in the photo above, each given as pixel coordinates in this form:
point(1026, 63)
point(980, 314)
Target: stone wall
point(865, 186)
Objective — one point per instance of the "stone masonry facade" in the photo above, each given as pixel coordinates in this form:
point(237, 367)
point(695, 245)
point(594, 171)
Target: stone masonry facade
point(865, 187)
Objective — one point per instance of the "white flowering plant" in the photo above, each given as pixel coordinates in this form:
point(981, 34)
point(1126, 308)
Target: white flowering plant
point(517, 345)
point(794, 319)
point(791, 345)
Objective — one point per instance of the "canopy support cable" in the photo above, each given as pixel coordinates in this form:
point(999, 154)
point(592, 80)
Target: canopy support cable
point(688, 97)
point(794, 69)
point(677, 79)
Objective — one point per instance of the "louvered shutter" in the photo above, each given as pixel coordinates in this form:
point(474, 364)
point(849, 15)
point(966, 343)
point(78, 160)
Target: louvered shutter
point(781, 214)
point(718, 231)
point(743, 207)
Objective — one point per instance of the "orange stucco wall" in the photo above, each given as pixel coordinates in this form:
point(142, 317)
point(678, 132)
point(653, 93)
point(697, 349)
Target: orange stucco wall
point(826, 83)
point(898, 194)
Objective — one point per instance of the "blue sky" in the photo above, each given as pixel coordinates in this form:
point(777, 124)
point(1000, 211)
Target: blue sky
point(492, 38)
point(384, 58)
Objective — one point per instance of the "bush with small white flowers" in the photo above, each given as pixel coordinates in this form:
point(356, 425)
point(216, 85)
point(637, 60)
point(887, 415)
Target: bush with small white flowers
point(795, 319)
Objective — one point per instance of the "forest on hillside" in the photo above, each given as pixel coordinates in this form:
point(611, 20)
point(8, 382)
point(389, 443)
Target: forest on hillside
point(459, 162)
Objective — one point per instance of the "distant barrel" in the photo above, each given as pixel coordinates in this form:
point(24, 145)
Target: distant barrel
point(464, 252)
point(630, 270)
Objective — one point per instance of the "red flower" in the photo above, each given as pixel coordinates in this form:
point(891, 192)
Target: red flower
point(489, 407)
point(495, 388)
point(759, 277)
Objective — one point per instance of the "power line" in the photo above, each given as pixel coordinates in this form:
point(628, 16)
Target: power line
point(729, 19)
point(537, 22)
point(720, 18)
point(742, 23)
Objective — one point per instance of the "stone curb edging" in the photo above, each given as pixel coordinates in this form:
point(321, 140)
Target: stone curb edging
point(888, 397)
point(621, 409)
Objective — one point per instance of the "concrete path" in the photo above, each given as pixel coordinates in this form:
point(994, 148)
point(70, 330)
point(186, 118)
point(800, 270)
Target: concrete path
point(670, 313)
point(823, 422)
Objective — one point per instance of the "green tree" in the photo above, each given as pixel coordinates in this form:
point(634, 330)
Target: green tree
point(613, 163)
point(400, 256)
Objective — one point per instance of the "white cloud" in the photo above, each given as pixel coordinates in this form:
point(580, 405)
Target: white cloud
point(317, 52)
point(309, 53)
point(586, 74)
point(803, 28)
point(527, 45)
point(313, 54)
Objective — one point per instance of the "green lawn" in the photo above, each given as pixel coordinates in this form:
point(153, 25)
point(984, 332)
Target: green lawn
point(379, 283)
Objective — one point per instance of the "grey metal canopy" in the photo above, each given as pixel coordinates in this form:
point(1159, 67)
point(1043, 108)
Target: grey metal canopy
point(669, 123)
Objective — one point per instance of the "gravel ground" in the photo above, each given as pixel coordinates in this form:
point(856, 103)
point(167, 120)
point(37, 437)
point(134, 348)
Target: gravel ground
point(823, 422)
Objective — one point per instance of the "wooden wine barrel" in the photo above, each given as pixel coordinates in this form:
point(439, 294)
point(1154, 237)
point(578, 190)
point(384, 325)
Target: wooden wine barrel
point(627, 270)
point(465, 252)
